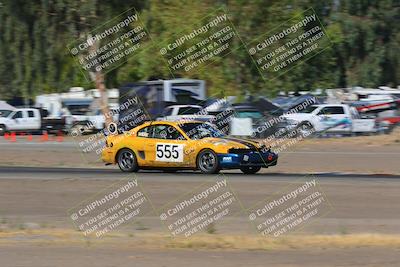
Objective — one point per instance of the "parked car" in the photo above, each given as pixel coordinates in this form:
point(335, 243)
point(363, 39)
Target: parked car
point(387, 114)
point(248, 121)
point(338, 118)
point(185, 112)
point(30, 120)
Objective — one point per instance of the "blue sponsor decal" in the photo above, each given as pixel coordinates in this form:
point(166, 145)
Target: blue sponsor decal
point(227, 159)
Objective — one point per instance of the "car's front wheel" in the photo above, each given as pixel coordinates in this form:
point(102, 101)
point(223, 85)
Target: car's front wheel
point(207, 162)
point(250, 170)
point(126, 160)
point(305, 129)
point(3, 129)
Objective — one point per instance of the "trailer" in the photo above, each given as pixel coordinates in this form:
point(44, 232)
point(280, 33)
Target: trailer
point(149, 99)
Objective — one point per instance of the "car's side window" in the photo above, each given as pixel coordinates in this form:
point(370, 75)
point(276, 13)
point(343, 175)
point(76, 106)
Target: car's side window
point(174, 134)
point(331, 111)
point(31, 114)
point(145, 132)
point(166, 132)
point(17, 115)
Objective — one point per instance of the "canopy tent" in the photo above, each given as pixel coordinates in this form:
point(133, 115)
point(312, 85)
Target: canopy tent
point(5, 106)
point(5, 109)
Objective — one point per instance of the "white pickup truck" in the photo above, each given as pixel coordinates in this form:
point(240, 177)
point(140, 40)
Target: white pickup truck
point(29, 120)
point(185, 112)
point(337, 118)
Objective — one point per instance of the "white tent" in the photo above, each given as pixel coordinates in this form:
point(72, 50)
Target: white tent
point(5, 106)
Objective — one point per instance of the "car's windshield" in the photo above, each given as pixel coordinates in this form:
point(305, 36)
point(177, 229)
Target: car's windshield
point(5, 113)
point(198, 130)
point(189, 110)
point(249, 114)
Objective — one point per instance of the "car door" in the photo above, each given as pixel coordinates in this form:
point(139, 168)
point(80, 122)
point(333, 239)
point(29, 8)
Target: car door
point(16, 121)
point(167, 147)
point(32, 120)
point(334, 119)
point(144, 144)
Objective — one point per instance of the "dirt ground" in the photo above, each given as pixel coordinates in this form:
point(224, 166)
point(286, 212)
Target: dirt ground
point(115, 256)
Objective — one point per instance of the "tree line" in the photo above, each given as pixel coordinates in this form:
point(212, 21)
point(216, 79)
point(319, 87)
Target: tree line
point(34, 58)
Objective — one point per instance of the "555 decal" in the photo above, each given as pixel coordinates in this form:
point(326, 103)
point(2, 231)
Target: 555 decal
point(169, 152)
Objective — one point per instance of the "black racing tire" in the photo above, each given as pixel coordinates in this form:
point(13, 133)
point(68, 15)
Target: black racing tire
point(3, 129)
point(127, 161)
point(207, 162)
point(250, 169)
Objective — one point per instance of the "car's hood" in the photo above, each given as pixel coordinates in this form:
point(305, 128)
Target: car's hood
point(232, 142)
point(297, 116)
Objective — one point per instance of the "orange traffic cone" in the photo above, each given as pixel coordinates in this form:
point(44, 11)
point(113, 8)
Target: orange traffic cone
point(59, 137)
point(13, 137)
point(29, 137)
point(6, 135)
point(45, 137)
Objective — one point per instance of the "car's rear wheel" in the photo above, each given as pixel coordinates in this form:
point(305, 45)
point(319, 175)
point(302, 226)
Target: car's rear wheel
point(126, 160)
point(250, 170)
point(207, 162)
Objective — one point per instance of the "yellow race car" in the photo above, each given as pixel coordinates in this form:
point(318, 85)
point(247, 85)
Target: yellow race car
point(193, 145)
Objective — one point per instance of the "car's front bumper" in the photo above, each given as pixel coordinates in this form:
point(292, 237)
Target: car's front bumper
point(248, 159)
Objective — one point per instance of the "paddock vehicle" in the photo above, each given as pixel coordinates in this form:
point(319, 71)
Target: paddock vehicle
point(338, 118)
point(185, 112)
point(30, 120)
point(194, 145)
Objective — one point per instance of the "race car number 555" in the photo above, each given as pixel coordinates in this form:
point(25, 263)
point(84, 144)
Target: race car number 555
point(169, 152)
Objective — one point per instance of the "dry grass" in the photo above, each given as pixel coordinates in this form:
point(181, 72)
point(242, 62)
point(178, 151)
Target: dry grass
point(373, 140)
point(199, 241)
